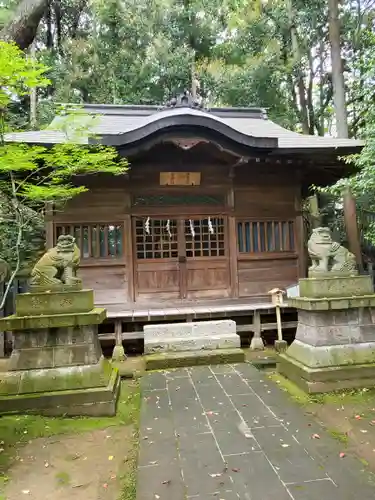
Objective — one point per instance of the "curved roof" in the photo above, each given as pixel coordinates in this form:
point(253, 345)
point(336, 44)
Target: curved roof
point(123, 125)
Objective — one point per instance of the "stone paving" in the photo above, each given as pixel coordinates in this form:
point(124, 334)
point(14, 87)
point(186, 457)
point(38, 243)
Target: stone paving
point(226, 432)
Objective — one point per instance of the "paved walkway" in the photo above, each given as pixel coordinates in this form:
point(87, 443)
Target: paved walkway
point(226, 432)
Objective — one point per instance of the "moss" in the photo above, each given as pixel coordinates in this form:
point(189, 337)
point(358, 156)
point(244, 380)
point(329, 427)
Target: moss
point(54, 303)
point(15, 431)
point(193, 358)
point(62, 478)
point(94, 317)
point(339, 436)
point(66, 378)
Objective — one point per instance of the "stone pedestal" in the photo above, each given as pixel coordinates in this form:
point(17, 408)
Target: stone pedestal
point(57, 366)
point(334, 347)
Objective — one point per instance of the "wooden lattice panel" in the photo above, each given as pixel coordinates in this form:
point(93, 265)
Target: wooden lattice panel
point(205, 237)
point(156, 239)
point(95, 240)
point(265, 236)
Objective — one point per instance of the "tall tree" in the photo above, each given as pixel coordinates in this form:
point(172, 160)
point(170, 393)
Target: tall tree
point(23, 25)
point(337, 69)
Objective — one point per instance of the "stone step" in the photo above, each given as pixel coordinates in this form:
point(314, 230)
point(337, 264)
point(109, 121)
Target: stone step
point(193, 358)
point(192, 343)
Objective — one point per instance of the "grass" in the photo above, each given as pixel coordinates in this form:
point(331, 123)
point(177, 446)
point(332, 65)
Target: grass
point(339, 436)
point(343, 397)
point(18, 430)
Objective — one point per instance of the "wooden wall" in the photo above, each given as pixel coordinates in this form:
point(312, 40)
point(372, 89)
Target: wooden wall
point(264, 242)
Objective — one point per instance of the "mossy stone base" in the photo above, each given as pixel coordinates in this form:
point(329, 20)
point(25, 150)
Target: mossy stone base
point(334, 303)
point(62, 302)
point(326, 379)
point(94, 401)
point(193, 358)
point(56, 379)
point(54, 348)
point(335, 287)
point(93, 317)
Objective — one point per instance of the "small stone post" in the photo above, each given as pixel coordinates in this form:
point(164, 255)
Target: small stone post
point(256, 343)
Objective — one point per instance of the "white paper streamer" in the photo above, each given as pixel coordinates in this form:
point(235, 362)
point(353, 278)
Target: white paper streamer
point(210, 226)
point(168, 228)
point(192, 230)
point(147, 225)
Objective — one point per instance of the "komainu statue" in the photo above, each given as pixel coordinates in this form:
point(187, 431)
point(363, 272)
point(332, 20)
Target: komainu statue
point(58, 266)
point(328, 256)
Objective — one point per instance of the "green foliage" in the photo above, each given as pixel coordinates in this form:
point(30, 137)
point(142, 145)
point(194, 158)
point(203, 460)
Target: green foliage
point(30, 176)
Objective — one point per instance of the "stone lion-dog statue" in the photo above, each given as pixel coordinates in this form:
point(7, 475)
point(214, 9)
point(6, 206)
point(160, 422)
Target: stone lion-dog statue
point(58, 266)
point(328, 256)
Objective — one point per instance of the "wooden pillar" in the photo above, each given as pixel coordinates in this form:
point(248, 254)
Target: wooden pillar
point(232, 238)
point(129, 248)
point(299, 236)
point(49, 225)
point(350, 217)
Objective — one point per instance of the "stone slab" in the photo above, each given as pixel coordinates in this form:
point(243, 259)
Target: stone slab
point(192, 343)
point(192, 358)
point(34, 304)
point(181, 458)
point(191, 336)
point(335, 287)
point(314, 381)
point(97, 401)
point(94, 317)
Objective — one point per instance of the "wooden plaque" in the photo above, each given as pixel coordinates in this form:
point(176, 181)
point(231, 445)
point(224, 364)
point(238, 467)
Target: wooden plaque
point(180, 178)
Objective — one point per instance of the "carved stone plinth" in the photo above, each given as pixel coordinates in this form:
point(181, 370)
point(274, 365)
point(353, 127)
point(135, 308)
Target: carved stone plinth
point(57, 366)
point(334, 347)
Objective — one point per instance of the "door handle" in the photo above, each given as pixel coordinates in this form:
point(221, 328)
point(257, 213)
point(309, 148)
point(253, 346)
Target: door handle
point(182, 259)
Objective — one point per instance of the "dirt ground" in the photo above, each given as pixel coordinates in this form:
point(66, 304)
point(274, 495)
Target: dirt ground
point(88, 466)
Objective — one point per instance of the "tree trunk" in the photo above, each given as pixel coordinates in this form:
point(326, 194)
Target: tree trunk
point(23, 27)
point(304, 117)
point(337, 69)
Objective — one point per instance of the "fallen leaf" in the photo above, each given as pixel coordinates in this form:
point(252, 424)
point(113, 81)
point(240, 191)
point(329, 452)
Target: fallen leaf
point(215, 475)
point(315, 436)
point(105, 485)
point(110, 457)
point(26, 492)
point(113, 476)
point(46, 465)
point(157, 496)
point(235, 469)
point(168, 481)
point(358, 417)
point(363, 431)
point(285, 445)
point(342, 455)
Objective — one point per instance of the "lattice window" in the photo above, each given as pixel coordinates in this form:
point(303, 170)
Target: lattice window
point(266, 236)
point(156, 238)
point(205, 237)
point(95, 240)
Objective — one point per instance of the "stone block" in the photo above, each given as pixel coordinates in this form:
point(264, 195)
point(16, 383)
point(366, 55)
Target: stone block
point(334, 287)
point(76, 355)
point(326, 379)
point(333, 355)
point(28, 359)
point(94, 401)
point(193, 358)
point(94, 317)
point(193, 343)
point(191, 336)
point(35, 304)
